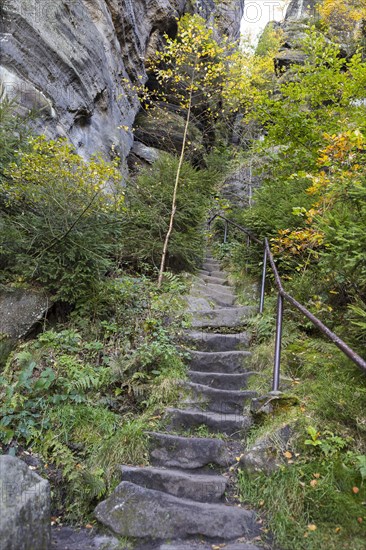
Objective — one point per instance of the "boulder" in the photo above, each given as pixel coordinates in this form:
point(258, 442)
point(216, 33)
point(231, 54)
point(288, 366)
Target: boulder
point(25, 521)
point(267, 453)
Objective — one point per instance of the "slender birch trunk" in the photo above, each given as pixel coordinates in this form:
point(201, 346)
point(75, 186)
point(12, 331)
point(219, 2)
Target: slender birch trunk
point(176, 185)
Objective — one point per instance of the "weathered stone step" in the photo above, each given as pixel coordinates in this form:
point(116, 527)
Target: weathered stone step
point(221, 281)
point(210, 265)
point(224, 299)
point(189, 453)
point(199, 545)
point(197, 303)
point(218, 273)
point(220, 380)
point(227, 317)
point(199, 487)
point(144, 513)
point(233, 425)
point(212, 287)
point(218, 400)
point(211, 341)
point(227, 362)
point(208, 289)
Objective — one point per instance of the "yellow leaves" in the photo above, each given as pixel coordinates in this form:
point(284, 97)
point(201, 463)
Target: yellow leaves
point(297, 241)
point(312, 527)
point(51, 169)
point(342, 147)
point(343, 14)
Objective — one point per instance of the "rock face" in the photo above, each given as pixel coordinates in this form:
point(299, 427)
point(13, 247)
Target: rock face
point(75, 61)
point(298, 15)
point(299, 9)
point(25, 521)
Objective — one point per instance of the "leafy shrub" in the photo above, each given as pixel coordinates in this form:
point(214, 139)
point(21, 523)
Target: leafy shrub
point(83, 395)
point(60, 219)
point(148, 203)
point(14, 133)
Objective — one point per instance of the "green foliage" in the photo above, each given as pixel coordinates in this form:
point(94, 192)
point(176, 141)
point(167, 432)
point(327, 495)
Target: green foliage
point(82, 396)
point(316, 499)
point(311, 504)
point(327, 443)
point(13, 135)
point(60, 219)
point(148, 202)
point(312, 200)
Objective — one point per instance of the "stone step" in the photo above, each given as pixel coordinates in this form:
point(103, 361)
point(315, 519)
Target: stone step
point(209, 265)
point(199, 487)
point(220, 380)
point(197, 303)
point(221, 281)
point(201, 288)
point(218, 273)
point(199, 545)
point(224, 299)
point(228, 362)
point(203, 272)
point(212, 287)
point(206, 341)
point(133, 511)
point(189, 453)
point(228, 317)
point(218, 400)
point(233, 425)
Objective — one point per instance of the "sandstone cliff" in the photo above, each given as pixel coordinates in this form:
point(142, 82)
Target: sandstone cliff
point(69, 59)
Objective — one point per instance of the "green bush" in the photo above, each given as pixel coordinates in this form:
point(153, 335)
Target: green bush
point(82, 396)
point(60, 220)
point(148, 203)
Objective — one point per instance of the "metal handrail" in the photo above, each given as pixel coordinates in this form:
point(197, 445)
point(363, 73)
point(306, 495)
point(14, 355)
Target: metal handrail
point(281, 297)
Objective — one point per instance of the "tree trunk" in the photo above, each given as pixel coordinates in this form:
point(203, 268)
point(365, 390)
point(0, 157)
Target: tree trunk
point(174, 201)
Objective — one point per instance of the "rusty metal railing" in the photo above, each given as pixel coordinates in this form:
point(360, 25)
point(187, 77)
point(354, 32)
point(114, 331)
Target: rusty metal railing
point(283, 296)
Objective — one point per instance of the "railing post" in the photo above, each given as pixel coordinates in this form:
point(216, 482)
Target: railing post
point(263, 283)
point(226, 232)
point(277, 355)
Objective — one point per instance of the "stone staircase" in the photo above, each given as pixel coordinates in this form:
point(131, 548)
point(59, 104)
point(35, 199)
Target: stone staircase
point(183, 500)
